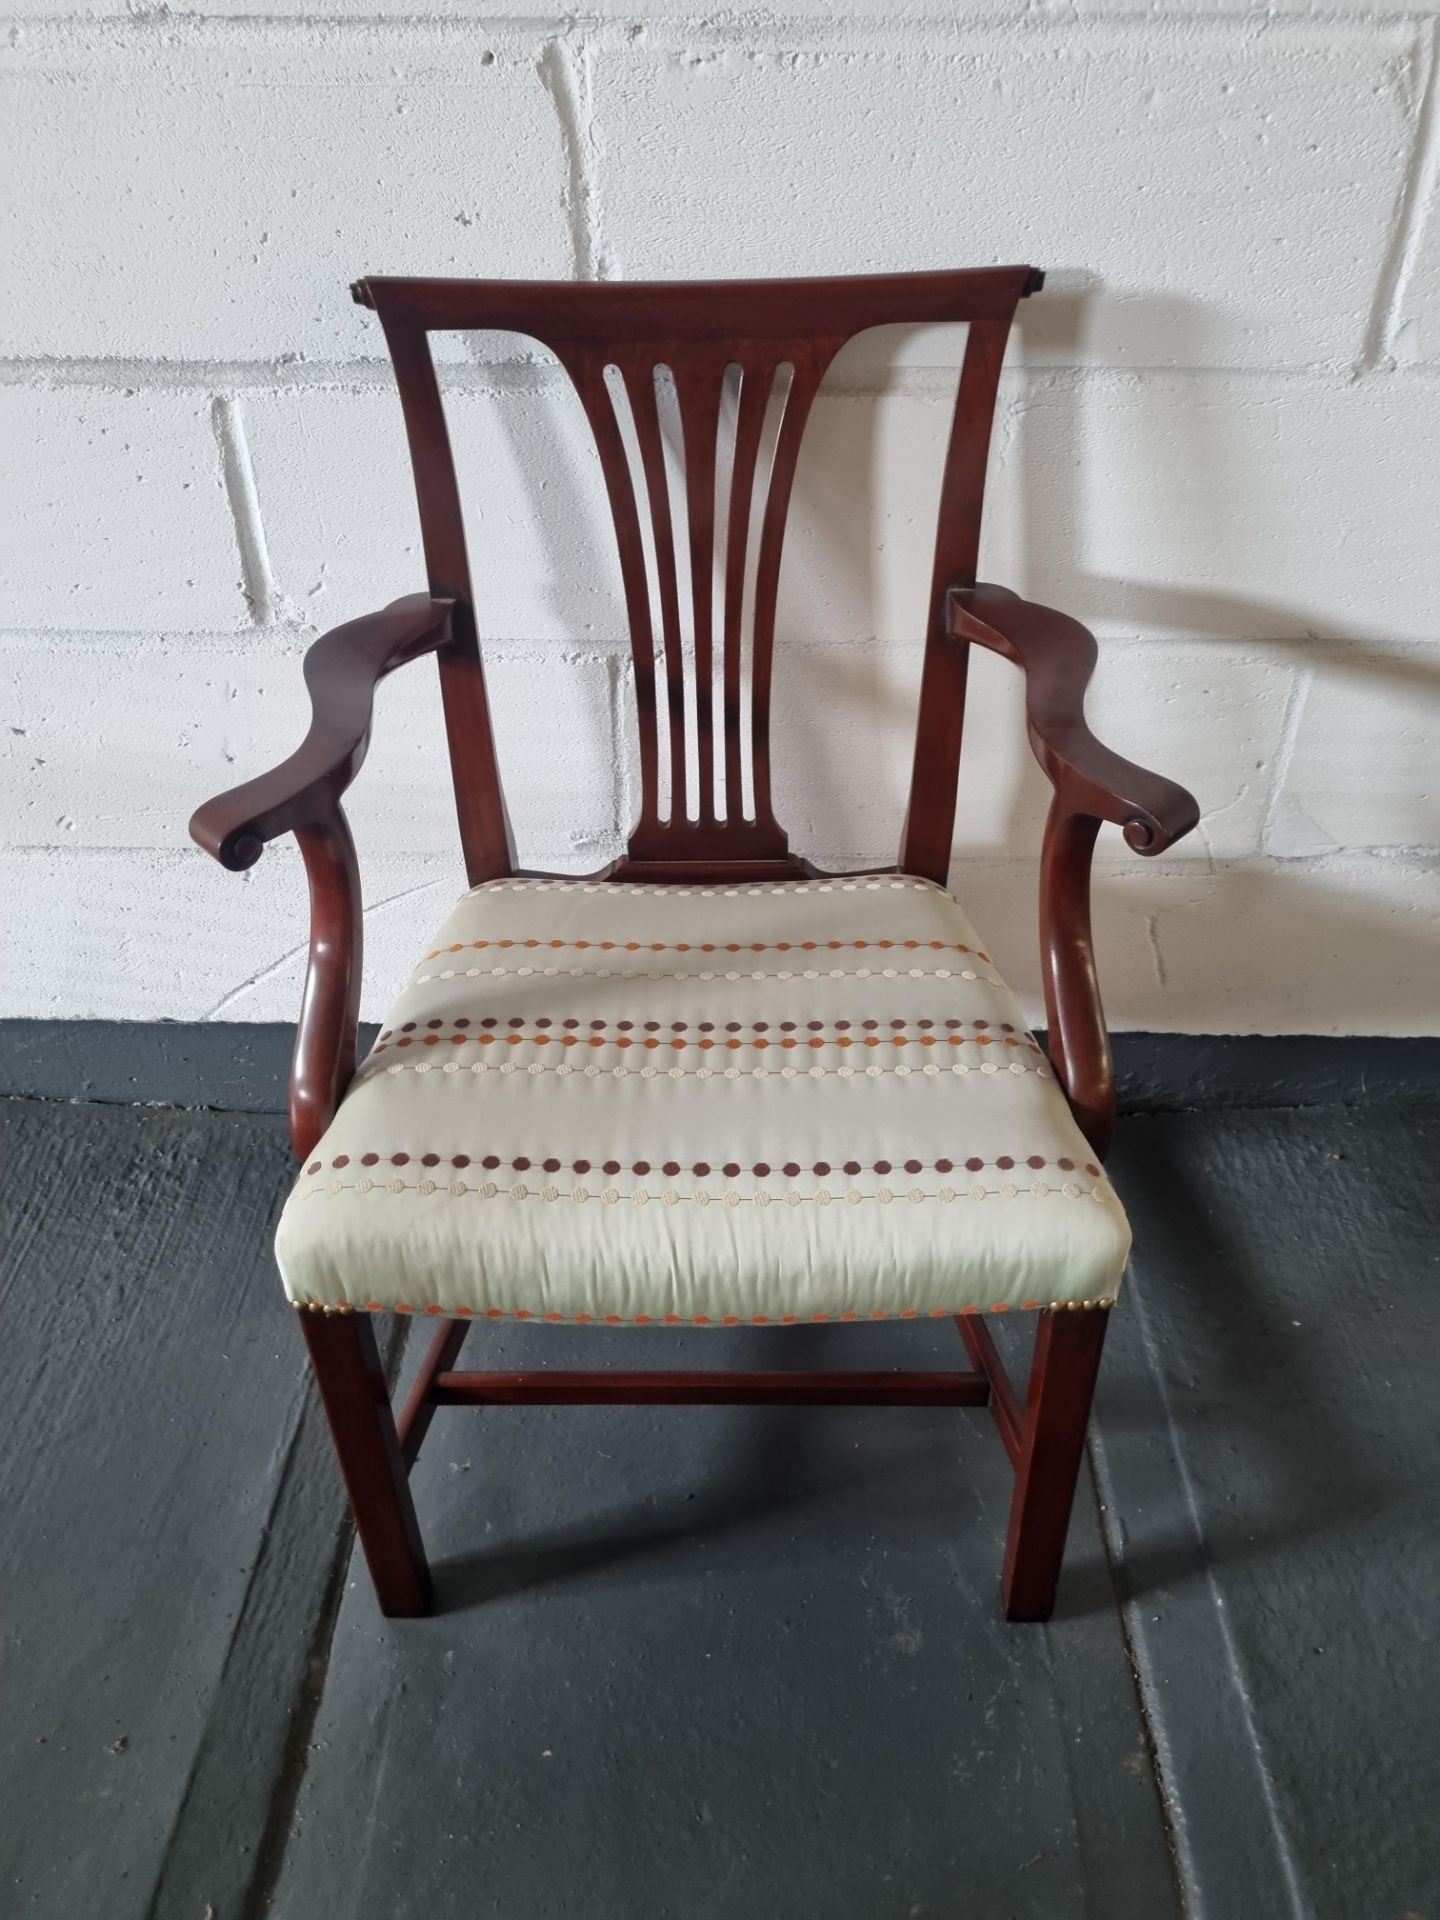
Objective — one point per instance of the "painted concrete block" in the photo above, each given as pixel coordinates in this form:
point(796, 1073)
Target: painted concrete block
point(114, 510)
point(1345, 945)
point(136, 934)
point(212, 197)
point(1336, 946)
point(1212, 725)
point(843, 737)
point(1002, 901)
point(1210, 718)
point(860, 545)
point(843, 732)
point(182, 719)
point(337, 501)
point(1226, 509)
point(1229, 193)
point(735, 15)
point(1363, 770)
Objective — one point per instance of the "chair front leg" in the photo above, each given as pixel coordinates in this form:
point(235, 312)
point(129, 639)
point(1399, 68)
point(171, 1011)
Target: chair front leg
point(1068, 1343)
point(362, 1425)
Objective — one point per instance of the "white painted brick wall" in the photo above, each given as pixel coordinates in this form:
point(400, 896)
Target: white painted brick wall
point(1216, 443)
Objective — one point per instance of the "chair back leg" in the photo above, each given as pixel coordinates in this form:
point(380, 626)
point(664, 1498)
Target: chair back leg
point(357, 1405)
point(1062, 1383)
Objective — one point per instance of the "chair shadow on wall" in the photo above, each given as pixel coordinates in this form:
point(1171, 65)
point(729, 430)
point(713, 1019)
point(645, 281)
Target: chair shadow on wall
point(1205, 1254)
point(1317, 916)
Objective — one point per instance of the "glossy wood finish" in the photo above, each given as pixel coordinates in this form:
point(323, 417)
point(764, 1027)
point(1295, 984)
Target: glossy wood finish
point(929, 830)
point(302, 796)
point(1076, 1034)
point(324, 1061)
point(444, 1351)
point(697, 397)
point(710, 1388)
point(1091, 785)
point(357, 1406)
point(1058, 657)
point(703, 684)
point(1009, 1415)
point(342, 671)
point(1045, 1439)
point(1057, 1410)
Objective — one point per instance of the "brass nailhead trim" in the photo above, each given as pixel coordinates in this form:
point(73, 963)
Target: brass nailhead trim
point(703, 1319)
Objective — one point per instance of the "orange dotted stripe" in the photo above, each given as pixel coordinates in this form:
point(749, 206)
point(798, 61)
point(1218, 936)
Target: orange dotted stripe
point(701, 1169)
point(698, 1319)
point(714, 946)
point(787, 1036)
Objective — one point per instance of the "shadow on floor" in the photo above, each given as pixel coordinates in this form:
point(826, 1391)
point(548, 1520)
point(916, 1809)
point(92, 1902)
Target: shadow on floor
point(724, 1662)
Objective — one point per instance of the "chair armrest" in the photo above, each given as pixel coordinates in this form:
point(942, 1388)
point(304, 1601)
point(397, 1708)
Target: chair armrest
point(1058, 657)
point(1091, 784)
point(302, 796)
point(342, 671)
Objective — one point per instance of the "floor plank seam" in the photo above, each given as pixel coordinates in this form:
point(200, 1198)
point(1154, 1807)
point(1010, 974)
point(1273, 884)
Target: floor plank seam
point(295, 1753)
point(1113, 1549)
point(160, 1902)
point(1191, 1885)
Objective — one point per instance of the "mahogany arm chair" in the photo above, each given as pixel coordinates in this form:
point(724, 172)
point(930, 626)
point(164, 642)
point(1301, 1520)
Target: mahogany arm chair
point(918, 1082)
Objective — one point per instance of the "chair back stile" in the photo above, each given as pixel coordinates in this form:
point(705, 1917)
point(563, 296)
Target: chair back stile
point(644, 358)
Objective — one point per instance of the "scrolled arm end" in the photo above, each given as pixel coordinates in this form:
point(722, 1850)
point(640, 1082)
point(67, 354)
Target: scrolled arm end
point(1171, 813)
point(234, 843)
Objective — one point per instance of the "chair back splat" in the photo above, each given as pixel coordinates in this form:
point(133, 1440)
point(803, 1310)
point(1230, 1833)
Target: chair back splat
point(731, 370)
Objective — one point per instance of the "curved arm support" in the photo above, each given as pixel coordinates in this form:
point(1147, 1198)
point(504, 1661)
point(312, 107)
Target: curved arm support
point(1078, 1038)
point(1091, 784)
point(302, 796)
point(342, 671)
point(323, 1063)
point(1058, 658)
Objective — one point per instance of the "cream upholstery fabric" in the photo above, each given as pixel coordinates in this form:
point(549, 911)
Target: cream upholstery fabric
point(703, 1105)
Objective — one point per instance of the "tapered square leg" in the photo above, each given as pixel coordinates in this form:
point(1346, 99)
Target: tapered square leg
point(1062, 1385)
point(362, 1425)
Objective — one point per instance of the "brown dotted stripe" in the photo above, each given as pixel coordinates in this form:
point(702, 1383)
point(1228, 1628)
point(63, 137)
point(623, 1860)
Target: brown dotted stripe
point(884, 882)
point(699, 1319)
point(715, 946)
point(701, 1169)
point(653, 1036)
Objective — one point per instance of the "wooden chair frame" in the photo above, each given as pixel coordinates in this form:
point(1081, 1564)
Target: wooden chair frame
point(612, 340)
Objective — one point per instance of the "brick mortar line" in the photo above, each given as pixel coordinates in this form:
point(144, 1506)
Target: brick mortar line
point(737, 27)
point(1297, 698)
point(965, 868)
point(1416, 196)
point(1187, 1857)
point(291, 640)
point(502, 379)
point(238, 478)
point(566, 71)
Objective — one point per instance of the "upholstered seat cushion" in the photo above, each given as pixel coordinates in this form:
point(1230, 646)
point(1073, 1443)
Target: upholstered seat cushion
point(703, 1106)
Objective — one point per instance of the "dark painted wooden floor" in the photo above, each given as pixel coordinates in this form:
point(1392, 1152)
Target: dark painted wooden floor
point(723, 1663)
